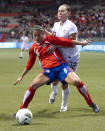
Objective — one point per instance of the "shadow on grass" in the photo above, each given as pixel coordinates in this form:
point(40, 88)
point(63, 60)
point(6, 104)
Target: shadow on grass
point(46, 113)
point(72, 112)
point(5, 117)
point(30, 124)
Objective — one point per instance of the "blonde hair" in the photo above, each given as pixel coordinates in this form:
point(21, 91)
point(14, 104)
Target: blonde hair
point(68, 8)
point(37, 27)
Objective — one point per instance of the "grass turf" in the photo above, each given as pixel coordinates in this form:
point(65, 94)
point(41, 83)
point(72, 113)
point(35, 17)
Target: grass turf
point(79, 116)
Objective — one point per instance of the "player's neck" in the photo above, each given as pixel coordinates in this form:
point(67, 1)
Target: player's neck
point(62, 22)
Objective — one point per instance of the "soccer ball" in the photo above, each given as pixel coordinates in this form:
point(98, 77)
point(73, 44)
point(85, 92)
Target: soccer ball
point(24, 116)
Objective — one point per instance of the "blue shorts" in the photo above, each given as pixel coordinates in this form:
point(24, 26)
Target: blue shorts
point(57, 73)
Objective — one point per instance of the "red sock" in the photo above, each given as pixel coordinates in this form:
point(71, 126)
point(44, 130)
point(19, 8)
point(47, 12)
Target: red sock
point(84, 92)
point(28, 97)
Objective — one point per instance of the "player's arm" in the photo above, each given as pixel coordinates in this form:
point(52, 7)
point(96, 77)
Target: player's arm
point(47, 33)
point(72, 36)
point(30, 63)
point(53, 47)
point(64, 43)
point(21, 76)
point(82, 43)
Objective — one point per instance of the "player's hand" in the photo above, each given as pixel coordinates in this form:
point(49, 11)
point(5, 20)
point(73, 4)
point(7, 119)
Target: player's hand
point(86, 42)
point(45, 31)
point(18, 81)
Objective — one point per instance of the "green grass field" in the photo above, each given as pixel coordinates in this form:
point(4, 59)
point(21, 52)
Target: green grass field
point(79, 116)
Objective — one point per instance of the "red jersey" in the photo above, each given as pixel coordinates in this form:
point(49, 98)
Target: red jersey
point(48, 59)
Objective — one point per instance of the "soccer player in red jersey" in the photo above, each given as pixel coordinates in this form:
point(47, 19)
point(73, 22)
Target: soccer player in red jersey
point(53, 64)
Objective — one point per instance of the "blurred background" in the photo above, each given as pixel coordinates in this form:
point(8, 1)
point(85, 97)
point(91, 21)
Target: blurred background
point(17, 16)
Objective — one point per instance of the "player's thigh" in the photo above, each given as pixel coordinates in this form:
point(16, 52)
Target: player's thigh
point(40, 80)
point(72, 78)
point(73, 65)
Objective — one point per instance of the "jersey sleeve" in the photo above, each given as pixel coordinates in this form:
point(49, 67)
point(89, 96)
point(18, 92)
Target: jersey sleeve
point(32, 58)
point(73, 29)
point(60, 41)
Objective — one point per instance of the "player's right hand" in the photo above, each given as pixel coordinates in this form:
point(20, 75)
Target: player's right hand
point(18, 81)
point(86, 42)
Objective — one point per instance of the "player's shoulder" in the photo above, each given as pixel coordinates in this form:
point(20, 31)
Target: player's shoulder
point(71, 23)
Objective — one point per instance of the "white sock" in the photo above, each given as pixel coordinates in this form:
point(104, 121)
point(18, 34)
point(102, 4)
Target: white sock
point(21, 54)
point(54, 89)
point(65, 94)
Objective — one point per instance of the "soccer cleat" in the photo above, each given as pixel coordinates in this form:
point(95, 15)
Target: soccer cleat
point(52, 98)
point(63, 108)
point(95, 107)
point(20, 57)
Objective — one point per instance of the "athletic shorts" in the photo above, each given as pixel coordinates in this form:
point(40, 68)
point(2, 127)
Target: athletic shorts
point(57, 73)
point(72, 62)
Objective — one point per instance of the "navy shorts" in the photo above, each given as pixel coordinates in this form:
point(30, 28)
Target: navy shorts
point(57, 73)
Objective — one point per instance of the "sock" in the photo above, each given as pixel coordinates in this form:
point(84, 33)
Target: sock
point(28, 97)
point(21, 54)
point(65, 94)
point(84, 92)
point(54, 89)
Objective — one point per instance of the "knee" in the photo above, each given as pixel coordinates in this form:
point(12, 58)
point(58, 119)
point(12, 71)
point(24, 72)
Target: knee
point(77, 82)
point(34, 86)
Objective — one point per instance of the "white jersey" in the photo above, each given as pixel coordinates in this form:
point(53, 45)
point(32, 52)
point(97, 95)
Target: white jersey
point(71, 55)
point(24, 40)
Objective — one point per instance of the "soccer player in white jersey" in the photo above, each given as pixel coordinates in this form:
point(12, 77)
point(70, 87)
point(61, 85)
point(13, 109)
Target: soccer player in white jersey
point(67, 29)
point(24, 45)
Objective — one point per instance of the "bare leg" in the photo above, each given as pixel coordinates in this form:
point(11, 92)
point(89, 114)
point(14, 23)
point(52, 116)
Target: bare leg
point(73, 79)
point(39, 80)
